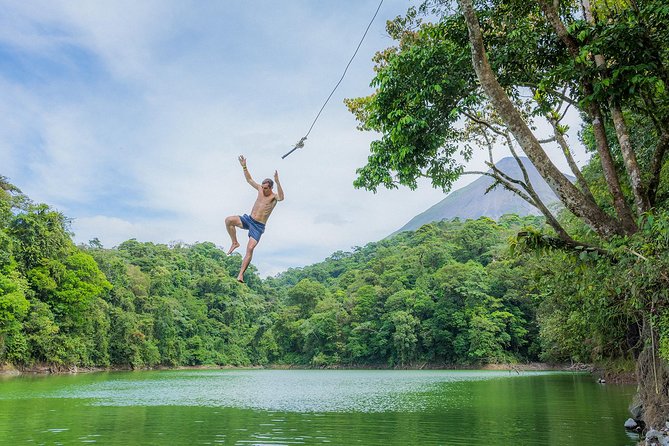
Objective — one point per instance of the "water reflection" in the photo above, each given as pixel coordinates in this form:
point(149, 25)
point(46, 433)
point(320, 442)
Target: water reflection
point(314, 407)
point(292, 391)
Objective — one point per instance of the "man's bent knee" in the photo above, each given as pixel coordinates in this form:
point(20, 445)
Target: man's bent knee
point(233, 220)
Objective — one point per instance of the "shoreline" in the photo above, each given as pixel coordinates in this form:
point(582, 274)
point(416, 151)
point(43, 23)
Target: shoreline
point(7, 370)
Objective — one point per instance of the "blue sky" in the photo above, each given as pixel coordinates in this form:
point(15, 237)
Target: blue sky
point(129, 116)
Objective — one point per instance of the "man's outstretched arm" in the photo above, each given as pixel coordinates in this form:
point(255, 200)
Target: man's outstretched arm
point(247, 175)
point(279, 189)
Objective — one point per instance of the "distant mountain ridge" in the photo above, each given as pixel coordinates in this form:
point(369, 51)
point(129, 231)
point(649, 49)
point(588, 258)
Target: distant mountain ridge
point(471, 201)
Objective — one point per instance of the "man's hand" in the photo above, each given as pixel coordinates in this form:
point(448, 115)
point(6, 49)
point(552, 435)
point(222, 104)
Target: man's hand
point(279, 189)
point(247, 175)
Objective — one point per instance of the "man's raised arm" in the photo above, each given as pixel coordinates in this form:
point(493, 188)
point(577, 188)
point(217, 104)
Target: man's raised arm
point(279, 189)
point(247, 175)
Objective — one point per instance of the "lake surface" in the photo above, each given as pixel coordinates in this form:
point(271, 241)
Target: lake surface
point(286, 407)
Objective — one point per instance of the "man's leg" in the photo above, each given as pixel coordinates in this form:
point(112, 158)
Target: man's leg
point(230, 223)
point(247, 258)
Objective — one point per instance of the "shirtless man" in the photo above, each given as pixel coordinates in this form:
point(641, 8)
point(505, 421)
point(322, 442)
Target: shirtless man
point(255, 223)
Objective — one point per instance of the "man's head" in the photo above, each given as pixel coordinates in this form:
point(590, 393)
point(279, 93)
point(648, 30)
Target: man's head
point(267, 185)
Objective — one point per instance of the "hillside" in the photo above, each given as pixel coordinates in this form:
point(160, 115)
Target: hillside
point(473, 202)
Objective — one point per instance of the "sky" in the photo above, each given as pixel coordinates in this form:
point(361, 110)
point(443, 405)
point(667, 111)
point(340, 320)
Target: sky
point(129, 116)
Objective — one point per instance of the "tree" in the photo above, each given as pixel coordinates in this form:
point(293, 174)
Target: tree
point(466, 78)
point(306, 295)
point(402, 328)
point(14, 307)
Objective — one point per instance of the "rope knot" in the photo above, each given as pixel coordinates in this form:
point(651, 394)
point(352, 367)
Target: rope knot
point(299, 145)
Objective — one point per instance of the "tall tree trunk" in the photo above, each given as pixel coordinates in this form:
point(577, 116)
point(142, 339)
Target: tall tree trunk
point(661, 148)
point(573, 199)
point(656, 166)
point(608, 166)
point(594, 112)
point(622, 132)
point(629, 158)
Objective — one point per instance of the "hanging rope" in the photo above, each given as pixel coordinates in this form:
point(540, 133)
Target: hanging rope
point(300, 143)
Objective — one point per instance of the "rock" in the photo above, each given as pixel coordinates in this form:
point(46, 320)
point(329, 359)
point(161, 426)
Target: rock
point(656, 438)
point(637, 411)
point(630, 424)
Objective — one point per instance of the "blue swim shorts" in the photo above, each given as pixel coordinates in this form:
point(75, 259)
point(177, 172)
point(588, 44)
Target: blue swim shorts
point(254, 227)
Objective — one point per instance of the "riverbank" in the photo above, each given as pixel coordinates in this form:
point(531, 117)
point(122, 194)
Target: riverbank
point(46, 369)
point(54, 369)
point(532, 366)
point(600, 372)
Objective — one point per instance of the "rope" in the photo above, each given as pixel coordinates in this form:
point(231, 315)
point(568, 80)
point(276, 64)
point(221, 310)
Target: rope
point(300, 143)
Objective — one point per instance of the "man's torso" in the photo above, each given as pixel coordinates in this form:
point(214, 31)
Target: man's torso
point(263, 207)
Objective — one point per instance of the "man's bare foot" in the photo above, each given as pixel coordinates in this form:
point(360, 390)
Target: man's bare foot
point(233, 247)
point(240, 280)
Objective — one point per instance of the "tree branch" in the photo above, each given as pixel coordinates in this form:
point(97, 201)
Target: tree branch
point(544, 241)
point(564, 113)
point(483, 123)
point(538, 202)
point(594, 112)
point(557, 94)
point(562, 142)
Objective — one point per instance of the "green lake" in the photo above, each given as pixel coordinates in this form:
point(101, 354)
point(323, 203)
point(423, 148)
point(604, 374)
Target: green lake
point(286, 407)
